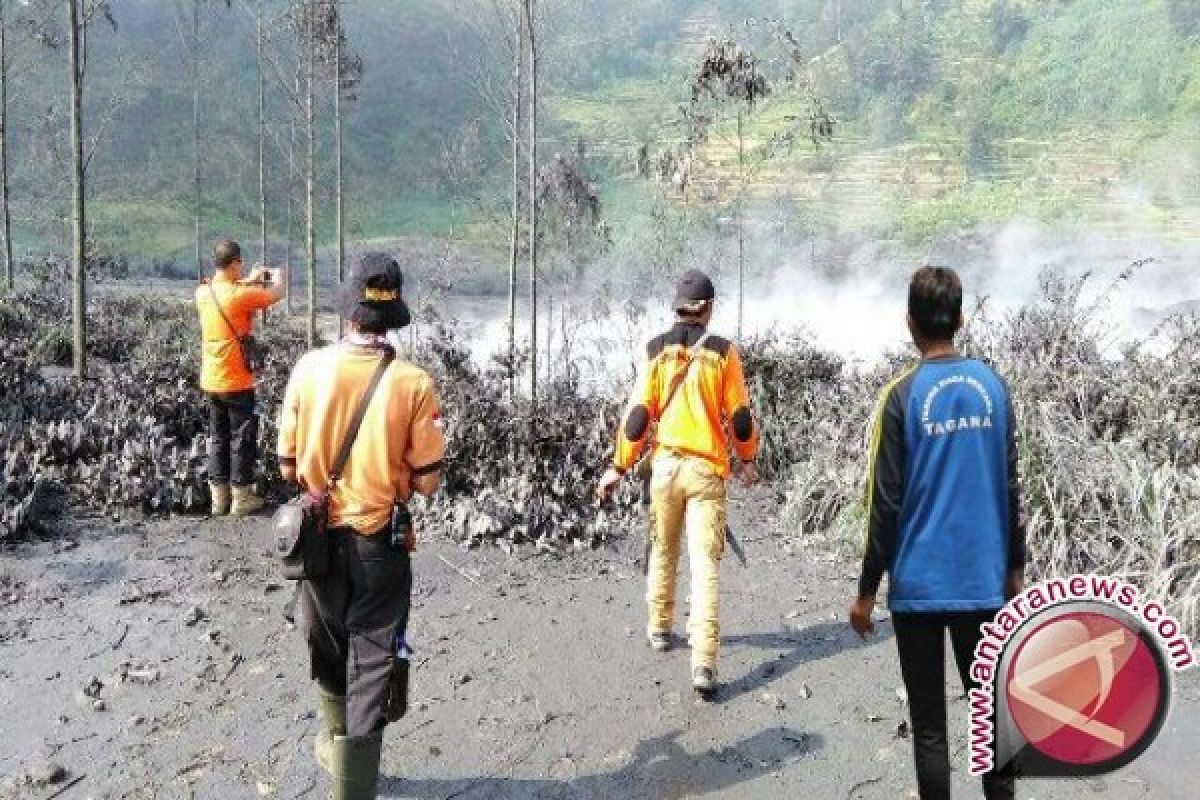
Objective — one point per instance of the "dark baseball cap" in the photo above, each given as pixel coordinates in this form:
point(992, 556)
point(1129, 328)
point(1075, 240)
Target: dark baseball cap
point(693, 290)
point(373, 293)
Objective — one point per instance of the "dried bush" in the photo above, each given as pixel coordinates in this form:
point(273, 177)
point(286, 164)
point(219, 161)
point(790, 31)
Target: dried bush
point(1110, 453)
point(132, 436)
point(1110, 446)
point(510, 480)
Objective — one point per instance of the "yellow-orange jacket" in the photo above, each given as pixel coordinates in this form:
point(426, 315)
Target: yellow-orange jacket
point(709, 413)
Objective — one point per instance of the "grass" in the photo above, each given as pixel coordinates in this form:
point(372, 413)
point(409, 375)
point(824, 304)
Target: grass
point(624, 112)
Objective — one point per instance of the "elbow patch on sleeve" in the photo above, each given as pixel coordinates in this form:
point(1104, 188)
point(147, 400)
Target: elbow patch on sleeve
point(743, 424)
point(637, 423)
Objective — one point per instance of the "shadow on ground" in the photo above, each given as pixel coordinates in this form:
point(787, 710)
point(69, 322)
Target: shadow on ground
point(658, 768)
point(823, 640)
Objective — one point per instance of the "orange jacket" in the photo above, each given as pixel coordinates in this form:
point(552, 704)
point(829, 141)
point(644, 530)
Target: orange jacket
point(709, 412)
point(221, 366)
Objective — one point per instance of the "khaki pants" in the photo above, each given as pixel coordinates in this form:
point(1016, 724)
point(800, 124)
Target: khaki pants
point(686, 494)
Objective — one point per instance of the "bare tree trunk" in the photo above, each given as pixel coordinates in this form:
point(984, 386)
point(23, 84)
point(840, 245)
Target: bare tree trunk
point(741, 225)
point(310, 178)
point(196, 133)
point(5, 217)
point(515, 244)
point(412, 328)
point(262, 143)
point(550, 327)
point(531, 40)
point(263, 256)
point(79, 210)
point(291, 205)
point(338, 197)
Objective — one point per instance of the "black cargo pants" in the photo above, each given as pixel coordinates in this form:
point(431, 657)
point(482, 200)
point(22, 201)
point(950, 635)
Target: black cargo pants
point(921, 641)
point(233, 437)
point(352, 620)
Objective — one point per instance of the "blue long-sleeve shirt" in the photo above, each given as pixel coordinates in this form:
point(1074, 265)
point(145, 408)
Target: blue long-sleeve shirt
point(943, 502)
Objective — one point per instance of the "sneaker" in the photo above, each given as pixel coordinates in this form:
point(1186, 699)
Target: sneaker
point(704, 680)
point(660, 642)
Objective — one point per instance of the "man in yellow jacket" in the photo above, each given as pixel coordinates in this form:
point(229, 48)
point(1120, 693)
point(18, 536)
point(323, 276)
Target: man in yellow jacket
point(690, 406)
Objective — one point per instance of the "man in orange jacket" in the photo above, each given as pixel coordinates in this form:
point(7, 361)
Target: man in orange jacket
point(227, 305)
point(689, 406)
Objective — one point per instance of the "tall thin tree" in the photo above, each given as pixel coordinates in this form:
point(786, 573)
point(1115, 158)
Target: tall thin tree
point(75, 36)
point(291, 204)
point(262, 139)
point(263, 256)
point(191, 42)
point(6, 250)
point(338, 192)
point(345, 70)
point(532, 64)
point(515, 241)
point(196, 190)
point(740, 212)
point(310, 167)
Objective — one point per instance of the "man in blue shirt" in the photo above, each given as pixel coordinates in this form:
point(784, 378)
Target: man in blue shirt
point(943, 509)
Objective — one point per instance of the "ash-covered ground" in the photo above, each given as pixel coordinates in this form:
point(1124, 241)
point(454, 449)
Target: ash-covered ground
point(152, 660)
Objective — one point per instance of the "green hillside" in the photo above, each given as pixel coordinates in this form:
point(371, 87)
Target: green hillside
point(950, 115)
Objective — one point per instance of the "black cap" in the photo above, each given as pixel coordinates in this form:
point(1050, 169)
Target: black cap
point(373, 294)
point(693, 289)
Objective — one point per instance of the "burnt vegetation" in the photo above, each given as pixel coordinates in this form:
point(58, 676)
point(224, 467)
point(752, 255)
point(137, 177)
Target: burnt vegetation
point(1110, 443)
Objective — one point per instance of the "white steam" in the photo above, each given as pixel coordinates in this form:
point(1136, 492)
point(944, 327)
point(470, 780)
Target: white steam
point(854, 305)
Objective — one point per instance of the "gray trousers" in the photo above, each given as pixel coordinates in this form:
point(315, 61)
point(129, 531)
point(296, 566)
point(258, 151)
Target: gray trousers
point(352, 620)
point(233, 438)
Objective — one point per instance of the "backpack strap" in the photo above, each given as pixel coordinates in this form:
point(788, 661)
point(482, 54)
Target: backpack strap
point(352, 433)
point(682, 376)
point(217, 302)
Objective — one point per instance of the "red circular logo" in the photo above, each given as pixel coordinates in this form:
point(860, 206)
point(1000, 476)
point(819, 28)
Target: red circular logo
point(1085, 689)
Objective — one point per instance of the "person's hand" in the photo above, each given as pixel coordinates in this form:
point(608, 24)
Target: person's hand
point(1014, 584)
point(748, 473)
point(860, 616)
point(288, 472)
point(608, 482)
point(410, 540)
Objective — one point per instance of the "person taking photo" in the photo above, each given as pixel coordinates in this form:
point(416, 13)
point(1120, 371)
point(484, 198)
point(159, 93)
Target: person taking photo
point(227, 304)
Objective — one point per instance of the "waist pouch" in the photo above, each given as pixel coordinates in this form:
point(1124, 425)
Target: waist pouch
point(301, 531)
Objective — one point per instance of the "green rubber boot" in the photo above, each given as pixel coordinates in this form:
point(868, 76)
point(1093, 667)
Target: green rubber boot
point(333, 713)
point(356, 766)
